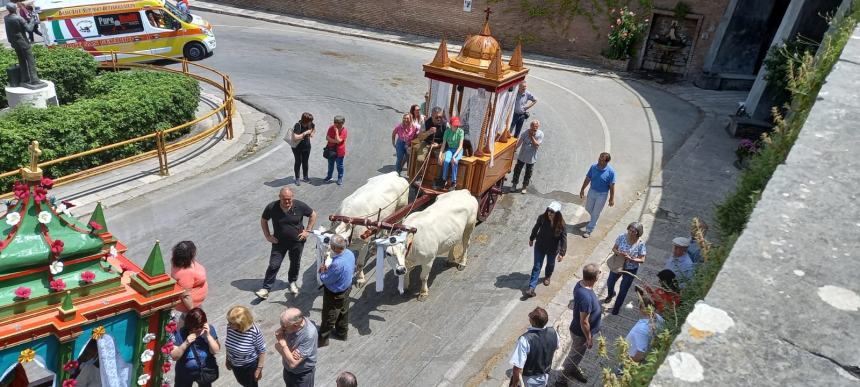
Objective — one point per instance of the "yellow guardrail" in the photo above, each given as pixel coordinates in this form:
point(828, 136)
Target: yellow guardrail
point(212, 77)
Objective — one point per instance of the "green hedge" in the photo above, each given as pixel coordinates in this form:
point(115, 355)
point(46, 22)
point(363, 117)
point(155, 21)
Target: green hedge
point(70, 69)
point(806, 75)
point(116, 106)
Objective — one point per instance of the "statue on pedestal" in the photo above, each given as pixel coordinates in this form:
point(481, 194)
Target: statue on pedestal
point(16, 32)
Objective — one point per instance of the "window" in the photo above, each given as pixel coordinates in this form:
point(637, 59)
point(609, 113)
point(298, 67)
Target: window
point(160, 19)
point(121, 23)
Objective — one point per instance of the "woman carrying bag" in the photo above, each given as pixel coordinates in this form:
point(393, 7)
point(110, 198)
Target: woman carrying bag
point(195, 347)
point(335, 149)
point(628, 253)
point(300, 141)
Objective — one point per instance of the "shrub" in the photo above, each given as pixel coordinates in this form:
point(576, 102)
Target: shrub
point(70, 69)
point(117, 106)
point(780, 56)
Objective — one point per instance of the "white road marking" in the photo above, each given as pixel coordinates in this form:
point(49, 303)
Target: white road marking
point(252, 161)
point(606, 141)
point(458, 366)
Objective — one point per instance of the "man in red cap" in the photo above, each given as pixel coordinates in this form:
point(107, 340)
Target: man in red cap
point(451, 152)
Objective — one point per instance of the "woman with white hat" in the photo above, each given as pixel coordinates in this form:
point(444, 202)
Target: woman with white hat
point(551, 237)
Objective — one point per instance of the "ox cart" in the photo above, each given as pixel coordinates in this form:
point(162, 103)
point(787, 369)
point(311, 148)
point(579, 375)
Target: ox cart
point(479, 88)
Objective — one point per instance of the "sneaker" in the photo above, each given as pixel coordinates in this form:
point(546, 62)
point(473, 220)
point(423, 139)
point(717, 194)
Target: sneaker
point(608, 299)
point(546, 281)
point(306, 179)
point(262, 293)
point(523, 191)
point(298, 183)
point(294, 288)
point(530, 293)
point(586, 235)
point(327, 180)
point(339, 181)
point(513, 187)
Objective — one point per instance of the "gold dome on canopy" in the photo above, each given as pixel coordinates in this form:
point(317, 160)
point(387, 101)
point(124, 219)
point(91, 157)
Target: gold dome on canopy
point(478, 50)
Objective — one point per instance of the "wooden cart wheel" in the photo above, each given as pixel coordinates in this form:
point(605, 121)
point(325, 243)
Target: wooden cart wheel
point(488, 200)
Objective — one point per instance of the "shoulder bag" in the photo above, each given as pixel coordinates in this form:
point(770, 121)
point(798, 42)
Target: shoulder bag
point(207, 374)
point(616, 263)
point(291, 138)
point(330, 152)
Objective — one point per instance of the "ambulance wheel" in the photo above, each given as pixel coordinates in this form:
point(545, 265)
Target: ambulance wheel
point(194, 51)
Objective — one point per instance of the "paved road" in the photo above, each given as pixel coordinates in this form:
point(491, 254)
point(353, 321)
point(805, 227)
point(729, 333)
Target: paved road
point(394, 340)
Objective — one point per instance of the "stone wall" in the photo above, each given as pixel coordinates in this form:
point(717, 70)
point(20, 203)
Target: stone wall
point(547, 35)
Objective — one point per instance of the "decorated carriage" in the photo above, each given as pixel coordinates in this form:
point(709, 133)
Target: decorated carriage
point(73, 307)
point(480, 89)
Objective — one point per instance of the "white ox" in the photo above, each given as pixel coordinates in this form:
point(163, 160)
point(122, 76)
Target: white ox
point(442, 226)
point(388, 192)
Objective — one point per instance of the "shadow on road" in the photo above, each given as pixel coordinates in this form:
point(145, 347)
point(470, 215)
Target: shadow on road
point(575, 229)
point(516, 281)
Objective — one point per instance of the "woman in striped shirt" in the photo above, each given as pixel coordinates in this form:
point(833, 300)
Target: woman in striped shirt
point(246, 349)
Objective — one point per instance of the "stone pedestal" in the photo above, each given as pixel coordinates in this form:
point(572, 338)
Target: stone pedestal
point(39, 98)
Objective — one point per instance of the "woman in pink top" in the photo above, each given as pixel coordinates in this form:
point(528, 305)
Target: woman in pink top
point(336, 139)
point(401, 137)
point(190, 275)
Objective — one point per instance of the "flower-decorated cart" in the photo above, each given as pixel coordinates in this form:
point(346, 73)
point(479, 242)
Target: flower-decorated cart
point(72, 306)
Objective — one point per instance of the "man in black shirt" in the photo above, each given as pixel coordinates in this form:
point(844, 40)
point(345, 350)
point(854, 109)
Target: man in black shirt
point(289, 237)
point(435, 124)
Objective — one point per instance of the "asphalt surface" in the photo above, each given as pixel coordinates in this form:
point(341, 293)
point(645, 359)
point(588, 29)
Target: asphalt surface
point(470, 315)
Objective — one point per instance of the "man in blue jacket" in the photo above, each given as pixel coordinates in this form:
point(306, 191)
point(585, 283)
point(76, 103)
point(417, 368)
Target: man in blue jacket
point(336, 277)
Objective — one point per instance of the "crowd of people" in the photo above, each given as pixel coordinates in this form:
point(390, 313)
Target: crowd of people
point(196, 341)
point(533, 355)
point(287, 222)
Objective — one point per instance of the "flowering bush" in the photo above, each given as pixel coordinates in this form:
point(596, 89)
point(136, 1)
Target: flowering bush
point(747, 148)
point(624, 33)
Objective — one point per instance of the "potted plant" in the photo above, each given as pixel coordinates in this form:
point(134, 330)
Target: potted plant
point(625, 33)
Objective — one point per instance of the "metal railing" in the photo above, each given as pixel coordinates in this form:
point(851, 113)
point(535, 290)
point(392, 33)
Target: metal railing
point(217, 80)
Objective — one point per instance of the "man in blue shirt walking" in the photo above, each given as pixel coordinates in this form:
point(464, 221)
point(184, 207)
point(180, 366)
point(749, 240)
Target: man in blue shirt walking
point(584, 326)
point(336, 277)
point(601, 177)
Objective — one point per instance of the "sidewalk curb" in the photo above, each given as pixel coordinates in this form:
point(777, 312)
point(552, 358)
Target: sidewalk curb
point(209, 158)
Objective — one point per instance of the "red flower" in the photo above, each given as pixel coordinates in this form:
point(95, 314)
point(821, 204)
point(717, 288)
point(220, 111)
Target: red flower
point(39, 194)
point(95, 226)
point(23, 292)
point(125, 267)
point(167, 348)
point(170, 327)
point(88, 276)
point(57, 285)
point(21, 190)
point(57, 247)
point(70, 383)
point(165, 367)
point(71, 365)
point(47, 183)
